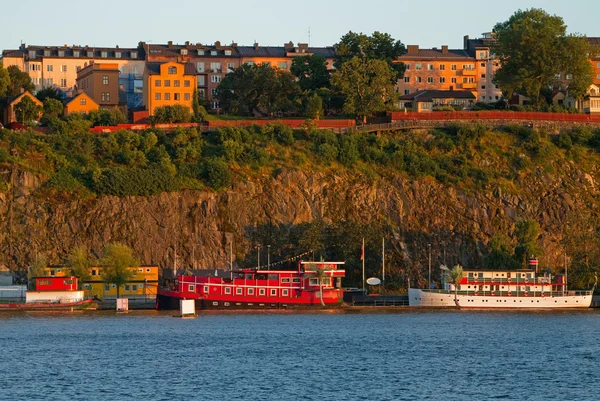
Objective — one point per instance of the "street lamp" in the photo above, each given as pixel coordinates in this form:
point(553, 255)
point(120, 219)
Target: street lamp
point(268, 256)
point(257, 257)
point(429, 282)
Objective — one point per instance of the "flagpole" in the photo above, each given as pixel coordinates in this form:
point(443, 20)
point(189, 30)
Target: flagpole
point(362, 256)
point(383, 261)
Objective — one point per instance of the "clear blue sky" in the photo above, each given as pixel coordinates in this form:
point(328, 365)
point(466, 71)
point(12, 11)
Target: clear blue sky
point(428, 23)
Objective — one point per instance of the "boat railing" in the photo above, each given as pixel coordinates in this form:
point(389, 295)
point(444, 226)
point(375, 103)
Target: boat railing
point(512, 280)
point(569, 293)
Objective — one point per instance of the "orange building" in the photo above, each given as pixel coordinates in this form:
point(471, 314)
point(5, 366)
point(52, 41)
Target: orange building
point(168, 84)
point(81, 103)
point(9, 116)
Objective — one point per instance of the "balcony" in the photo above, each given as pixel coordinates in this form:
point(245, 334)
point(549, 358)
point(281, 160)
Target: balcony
point(471, 85)
point(467, 73)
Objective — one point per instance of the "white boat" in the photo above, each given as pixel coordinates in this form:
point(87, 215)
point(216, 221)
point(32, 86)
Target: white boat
point(519, 289)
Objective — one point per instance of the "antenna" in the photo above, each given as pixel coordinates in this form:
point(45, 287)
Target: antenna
point(309, 36)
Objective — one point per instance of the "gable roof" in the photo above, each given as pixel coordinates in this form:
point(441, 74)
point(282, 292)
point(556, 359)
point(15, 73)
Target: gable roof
point(429, 95)
point(154, 68)
point(86, 96)
point(437, 54)
point(20, 97)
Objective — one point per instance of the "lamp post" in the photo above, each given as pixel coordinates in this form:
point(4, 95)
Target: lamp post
point(268, 256)
point(257, 257)
point(429, 282)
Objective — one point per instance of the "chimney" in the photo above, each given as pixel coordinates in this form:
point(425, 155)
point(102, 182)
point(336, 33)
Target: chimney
point(218, 45)
point(445, 49)
point(187, 43)
point(412, 49)
point(23, 46)
point(170, 43)
point(289, 46)
point(234, 44)
point(255, 46)
point(466, 42)
point(117, 46)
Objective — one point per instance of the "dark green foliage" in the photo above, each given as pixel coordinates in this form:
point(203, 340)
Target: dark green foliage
point(171, 114)
point(107, 117)
point(64, 181)
point(27, 110)
point(121, 181)
point(48, 93)
point(19, 81)
point(217, 173)
point(348, 149)
point(4, 155)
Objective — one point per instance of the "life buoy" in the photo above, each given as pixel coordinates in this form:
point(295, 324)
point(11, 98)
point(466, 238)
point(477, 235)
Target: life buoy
point(526, 293)
point(526, 280)
point(493, 293)
point(509, 280)
point(510, 294)
point(476, 293)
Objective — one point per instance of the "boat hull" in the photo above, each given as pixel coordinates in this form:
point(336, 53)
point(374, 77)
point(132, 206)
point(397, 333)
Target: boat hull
point(417, 297)
point(67, 306)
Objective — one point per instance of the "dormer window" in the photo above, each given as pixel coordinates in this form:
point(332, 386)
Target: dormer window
point(104, 54)
point(47, 53)
point(133, 54)
point(201, 52)
point(118, 54)
point(90, 54)
point(61, 53)
point(184, 51)
point(228, 52)
point(213, 52)
point(75, 53)
point(31, 53)
point(172, 70)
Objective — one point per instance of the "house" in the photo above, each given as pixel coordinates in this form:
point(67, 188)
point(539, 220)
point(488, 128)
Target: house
point(168, 84)
point(100, 81)
point(429, 100)
point(487, 65)
point(82, 103)
point(8, 114)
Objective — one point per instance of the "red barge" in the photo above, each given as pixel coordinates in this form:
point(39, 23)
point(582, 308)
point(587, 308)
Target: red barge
point(51, 293)
point(312, 284)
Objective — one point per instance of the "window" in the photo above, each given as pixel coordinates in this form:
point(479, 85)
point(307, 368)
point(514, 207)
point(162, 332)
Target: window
point(285, 279)
point(407, 67)
point(482, 65)
point(442, 80)
point(215, 105)
point(167, 82)
point(186, 96)
point(483, 76)
point(127, 287)
point(273, 292)
point(227, 290)
point(206, 289)
point(157, 82)
point(239, 291)
point(106, 287)
point(148, 270)
point(63, 68)
point(213, 52)
point(90, 53)
point(134, 287)
point(49, 67)
point(407, 79)
point(105, 80)
point(250, 291)
point(104, 54)
point(49, 81)
point(215, 67)
point(482, 86)
point(172, 70)
point(184, 52)
point(313, 281)
point(103, 97)
point(31, 53)
point(442, 67)
point(167, 96)
point(569, 76)
point(228, 52)
point(214, 91)
point(453, 80)
point(261, 291)
point(230, 67)
point(429, 80)
point(201, 80)
point(453, 67)
point(157, 96)
point(481, 54)
point(47, 53)
point(295, 279)
point(108, 96)
point(216, 78)
point(282, 64)
point(118, 54)
point(598, 76)
point(83, 102)
point(94, 272)
point(406, 92)
point(61, 53)
point(201, 53)
point(133, 54)
point(176, 83)
point(63, 83)
point(419, 79)
point(200, 65)
point(285, 292)
point(468, 67)
point(176, 96)
point(430, 67)
point(34, 67)
point(186, 83)
point(419, 67)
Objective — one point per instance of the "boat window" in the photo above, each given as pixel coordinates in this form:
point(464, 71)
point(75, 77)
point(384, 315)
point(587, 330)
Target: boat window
point(314, 281)
point(295, 279)
point(227, 290)
point(206, 289)
point(250, 291)
point(285, 279)
point(239, 291)
point(249, 277)
point(273, 292)
point(284, 292)
point(273, 276)
point(191, 288)
point(69, 282)
point(261, 291)
point(470, 274)
point(261, 276)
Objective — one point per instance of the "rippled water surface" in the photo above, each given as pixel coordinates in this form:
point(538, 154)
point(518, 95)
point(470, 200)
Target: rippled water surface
point(406, 355)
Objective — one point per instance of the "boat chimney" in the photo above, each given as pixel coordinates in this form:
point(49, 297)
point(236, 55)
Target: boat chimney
point(533, 263)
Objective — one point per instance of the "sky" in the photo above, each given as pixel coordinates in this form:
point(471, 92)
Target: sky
point(430, 23)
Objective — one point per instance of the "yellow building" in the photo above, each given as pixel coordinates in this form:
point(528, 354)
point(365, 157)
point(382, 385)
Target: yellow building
point(168, 84)
point(81, 103)
point(144, 283)
point(9, 115)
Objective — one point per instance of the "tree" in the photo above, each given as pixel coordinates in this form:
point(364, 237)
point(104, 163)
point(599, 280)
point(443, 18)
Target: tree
point(252, 89)
point(37, 268)
point(366, 85)
point(48, 93)
point(118, 261)
point(456, 275)
point(378, 46)
point(107, 117)
point(527, 232)
point(320, 272)
point(79, 263)
point(311, 72)
point(200, 113)
point(4, 80)
point(500, 256)
point(19, 81)
point(533, 50)
point(314, 107)
point(52, 109)
point(27, 110)
point(176, 113)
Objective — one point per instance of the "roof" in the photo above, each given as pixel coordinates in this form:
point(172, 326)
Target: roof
point(436, 54)
point(154, 68)
point(77, 96)
point(429, 95)
point(282, 51)
point(97, 52)
point(594, 41)
point(174, 50)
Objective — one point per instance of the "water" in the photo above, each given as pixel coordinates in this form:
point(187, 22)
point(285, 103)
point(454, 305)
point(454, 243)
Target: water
point(407, 355)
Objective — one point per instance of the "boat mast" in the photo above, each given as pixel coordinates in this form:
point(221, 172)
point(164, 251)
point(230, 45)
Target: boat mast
point(383, 261)
point(362, 257)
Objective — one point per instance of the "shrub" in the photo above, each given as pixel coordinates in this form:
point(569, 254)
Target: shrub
point(120, 181)
point(217, 174)
point(64, 181)
point(176, 113)
point(327, 152)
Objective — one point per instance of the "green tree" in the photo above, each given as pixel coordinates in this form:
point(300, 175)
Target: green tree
point(107, 117)
point(456, 275)
point(48, 93)
point(176, 113)
point(366, 85)
point(311, 72)
point(378, 46)
point(533, 49)
point(52, 109)
point(320, 273)
point(314, 107)
point(19, 81)
point(200, 113)
point(118, 262)
point(252, 89)
point(4, 80)
point(79, 263)
point(527, 232)
point(500, 256)
point(27, 110)
point(37, 268)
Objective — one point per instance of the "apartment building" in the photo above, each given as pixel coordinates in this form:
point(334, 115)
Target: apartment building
point(100, 81)
point(57, 66)
point(487, 65)
point(168, 84)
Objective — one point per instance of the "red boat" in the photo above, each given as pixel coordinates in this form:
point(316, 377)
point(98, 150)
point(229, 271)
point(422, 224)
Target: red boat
point(312, 284)
point(51, 293)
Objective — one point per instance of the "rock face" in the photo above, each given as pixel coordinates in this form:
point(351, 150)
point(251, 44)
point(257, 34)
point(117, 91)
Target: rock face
point(205, 223)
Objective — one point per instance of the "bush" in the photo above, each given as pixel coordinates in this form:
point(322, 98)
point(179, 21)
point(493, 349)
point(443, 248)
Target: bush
point(120, 181)
point(217, 174)
point(348, 149)
point(4, 155)
point(64, 181)
point(171, 114)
